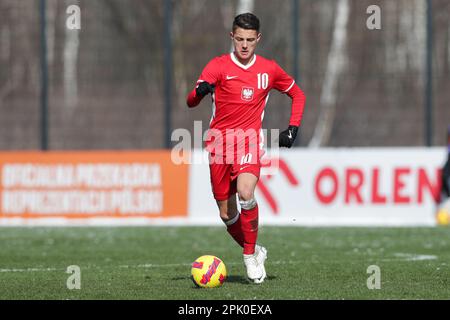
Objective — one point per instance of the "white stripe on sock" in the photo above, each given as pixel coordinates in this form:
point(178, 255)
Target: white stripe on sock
point(232, 221)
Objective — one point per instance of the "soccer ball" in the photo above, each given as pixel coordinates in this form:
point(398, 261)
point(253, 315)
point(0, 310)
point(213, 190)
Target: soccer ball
point(443, 214)
point(208, 272)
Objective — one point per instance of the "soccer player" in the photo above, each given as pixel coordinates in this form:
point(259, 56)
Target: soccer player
point(239, 84)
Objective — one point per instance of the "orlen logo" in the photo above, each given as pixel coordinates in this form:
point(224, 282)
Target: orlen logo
point(355, 186)
point(406, 185)
point(284, 169)
point(247, 93)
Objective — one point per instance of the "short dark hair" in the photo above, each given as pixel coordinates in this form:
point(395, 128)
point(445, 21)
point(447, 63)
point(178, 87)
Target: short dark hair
point(246, 21)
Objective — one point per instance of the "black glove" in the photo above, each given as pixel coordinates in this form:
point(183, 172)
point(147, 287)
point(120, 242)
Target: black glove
point(203, 89)
point(288, 136)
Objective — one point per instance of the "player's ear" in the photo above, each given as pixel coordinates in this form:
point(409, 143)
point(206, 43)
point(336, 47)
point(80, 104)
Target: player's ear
point(258, 37)
point(231, 35)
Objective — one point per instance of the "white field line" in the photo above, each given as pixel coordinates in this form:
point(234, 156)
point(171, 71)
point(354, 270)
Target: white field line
point(412, 257)
point(147, 265)
point(28, 269)
point(400, 257)
point(171, 265)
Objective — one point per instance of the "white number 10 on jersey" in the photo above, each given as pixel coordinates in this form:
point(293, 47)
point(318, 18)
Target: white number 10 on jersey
point(263, 81)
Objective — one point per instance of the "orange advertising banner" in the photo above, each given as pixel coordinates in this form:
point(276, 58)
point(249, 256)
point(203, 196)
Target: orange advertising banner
point(113, 184)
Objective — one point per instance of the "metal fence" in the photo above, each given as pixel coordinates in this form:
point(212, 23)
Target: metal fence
point(120, 81)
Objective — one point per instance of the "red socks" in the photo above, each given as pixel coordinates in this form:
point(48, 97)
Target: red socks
point(249, 223)
point(244, 229)
point(235, 230)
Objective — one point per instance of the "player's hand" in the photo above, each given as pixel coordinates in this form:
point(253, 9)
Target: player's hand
point(287, 137)
point(203, 89)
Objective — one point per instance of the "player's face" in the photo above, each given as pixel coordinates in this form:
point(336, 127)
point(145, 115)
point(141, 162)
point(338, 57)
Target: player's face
point(245, 42)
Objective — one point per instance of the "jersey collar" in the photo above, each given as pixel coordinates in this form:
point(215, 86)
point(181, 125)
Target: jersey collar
point(236, 61)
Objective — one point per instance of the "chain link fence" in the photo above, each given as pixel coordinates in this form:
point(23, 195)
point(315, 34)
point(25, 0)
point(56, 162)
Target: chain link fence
point(106, 81)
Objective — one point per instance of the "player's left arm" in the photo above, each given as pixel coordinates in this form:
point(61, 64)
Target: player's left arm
point(286, 84)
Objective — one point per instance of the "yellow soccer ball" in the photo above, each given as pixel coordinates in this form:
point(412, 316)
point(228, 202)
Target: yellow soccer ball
point(443, 213)
point(208, 272)
point(443, 217)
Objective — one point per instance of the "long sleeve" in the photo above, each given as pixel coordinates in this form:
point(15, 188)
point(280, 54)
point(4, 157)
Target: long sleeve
point(192, 99)
point(286, 84)
point(298, 105)
point(210, 74)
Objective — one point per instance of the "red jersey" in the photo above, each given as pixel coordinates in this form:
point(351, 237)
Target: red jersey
point(242, 91)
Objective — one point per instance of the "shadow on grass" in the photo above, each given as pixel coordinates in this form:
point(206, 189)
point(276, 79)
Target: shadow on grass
point(231, 279)
point(244, 280)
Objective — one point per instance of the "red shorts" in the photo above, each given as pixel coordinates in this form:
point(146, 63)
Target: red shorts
point(224, 177)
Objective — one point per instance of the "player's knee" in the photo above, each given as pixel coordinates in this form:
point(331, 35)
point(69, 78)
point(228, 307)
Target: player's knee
point(228, 216)
point(247, 204)
point(246, 198)
point(245, 194)
point(226, 213)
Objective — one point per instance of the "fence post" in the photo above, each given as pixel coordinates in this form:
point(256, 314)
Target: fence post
point(429, 77)
point(296, 49)
point(44, 76)
point(296, 35)
point(168, 89)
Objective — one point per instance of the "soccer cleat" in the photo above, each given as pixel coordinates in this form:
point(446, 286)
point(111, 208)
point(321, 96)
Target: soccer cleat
point(261, 256)
point(254, 271)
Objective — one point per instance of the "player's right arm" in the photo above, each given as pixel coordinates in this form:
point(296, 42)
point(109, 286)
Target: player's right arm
point(205, 84)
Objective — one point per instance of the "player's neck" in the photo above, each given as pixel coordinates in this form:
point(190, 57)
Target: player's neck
point(246, 61)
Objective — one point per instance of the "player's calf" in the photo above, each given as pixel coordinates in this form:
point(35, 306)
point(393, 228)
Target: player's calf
point(249, 222)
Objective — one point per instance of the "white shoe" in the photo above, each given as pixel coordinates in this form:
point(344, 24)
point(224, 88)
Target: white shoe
point(261, 256)
point(254, 271)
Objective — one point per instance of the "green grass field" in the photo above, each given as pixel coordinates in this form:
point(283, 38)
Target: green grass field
point(154, 263)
